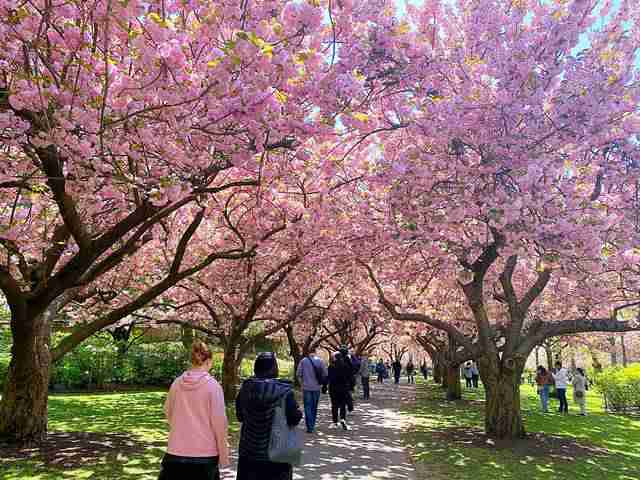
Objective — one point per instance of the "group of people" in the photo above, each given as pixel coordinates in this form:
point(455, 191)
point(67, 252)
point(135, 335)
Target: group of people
point(340, 379)
point(382, 370)
point(471, 374)
point(561, 378)
point(195, 409)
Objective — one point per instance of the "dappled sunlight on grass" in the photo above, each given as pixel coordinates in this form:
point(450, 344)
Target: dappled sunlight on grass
point(136, 416)
point(447, 441)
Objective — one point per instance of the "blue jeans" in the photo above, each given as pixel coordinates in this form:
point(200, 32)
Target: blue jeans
point(310, 399)
point(562, 396)
point(544, 398)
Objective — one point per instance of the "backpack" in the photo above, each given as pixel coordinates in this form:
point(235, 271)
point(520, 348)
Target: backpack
point(285, 442)
point(320, 377)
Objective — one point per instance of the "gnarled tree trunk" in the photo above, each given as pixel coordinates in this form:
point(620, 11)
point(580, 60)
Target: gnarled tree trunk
point(501, 378)
point(23, 410)
point(454, 388)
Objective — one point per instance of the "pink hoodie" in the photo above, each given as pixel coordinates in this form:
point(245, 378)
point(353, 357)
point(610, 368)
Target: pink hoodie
point(196, 412)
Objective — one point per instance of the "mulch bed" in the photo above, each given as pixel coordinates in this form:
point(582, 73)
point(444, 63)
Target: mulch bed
point(76, 449)
point(533, 445)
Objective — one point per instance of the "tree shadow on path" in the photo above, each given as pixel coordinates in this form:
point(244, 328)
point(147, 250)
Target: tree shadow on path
point(373, 447)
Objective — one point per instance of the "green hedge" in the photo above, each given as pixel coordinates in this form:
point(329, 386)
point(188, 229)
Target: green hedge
point(96, 363)
point(620, 388)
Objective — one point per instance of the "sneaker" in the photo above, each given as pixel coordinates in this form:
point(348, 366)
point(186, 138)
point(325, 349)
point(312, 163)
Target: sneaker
point(309, 430)
point(344, 425)
point(334, 425)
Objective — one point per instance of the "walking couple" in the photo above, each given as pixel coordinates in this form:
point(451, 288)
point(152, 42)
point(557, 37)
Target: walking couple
point(339, 379)
point(195, 409)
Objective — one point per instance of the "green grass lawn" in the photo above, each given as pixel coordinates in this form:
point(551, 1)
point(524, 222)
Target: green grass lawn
point(138, 416)
point(615, 439)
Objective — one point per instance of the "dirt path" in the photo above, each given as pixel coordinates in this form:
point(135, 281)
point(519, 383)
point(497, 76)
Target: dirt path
point(372, 449)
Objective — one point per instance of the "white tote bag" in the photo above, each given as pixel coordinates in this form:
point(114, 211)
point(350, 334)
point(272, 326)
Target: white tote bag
point(285, 443)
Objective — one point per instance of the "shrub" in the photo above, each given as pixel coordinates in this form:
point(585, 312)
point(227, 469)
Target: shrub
point(620, 388)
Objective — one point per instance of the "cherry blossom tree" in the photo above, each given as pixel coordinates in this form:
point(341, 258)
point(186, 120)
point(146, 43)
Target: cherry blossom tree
point(515, 165)
point(119, 118)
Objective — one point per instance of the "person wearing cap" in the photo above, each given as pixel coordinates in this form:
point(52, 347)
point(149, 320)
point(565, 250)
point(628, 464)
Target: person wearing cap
point(255, 408)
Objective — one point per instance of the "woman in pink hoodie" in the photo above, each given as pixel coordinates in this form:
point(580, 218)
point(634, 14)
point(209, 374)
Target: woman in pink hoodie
point(196, 412)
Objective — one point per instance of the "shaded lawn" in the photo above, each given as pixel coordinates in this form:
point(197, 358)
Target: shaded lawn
point(138, 417)
point(616, 439)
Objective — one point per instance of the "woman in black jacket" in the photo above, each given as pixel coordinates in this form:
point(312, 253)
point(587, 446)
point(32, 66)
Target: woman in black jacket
point(340, 384)
point(255, 407)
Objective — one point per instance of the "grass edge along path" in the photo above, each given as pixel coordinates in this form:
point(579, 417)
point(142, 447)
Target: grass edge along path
point(447, 442)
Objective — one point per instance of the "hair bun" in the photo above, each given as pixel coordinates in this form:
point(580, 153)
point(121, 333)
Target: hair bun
point(200, 353)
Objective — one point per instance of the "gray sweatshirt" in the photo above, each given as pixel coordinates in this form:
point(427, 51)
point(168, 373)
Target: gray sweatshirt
point(307, 375)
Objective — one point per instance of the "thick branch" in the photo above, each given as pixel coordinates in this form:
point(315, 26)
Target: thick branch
point(416, 317)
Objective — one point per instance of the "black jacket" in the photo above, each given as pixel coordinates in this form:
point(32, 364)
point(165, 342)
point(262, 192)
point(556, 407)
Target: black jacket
point(341, 375)
point(255, 408)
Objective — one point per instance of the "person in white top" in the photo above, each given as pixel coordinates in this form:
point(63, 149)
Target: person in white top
point(580, 390)
point(561, 379)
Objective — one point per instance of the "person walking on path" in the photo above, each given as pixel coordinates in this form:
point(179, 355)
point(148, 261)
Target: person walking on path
point(364, 376)
point(423, 370)
point(543, 380)
point(466, 372)
point(475, 374)
point(580, 390)
point(561, 379)
point(340, 386)
point(198, 423)
point(353, 363)
point(312, 373)
point(255, 409)
point(381, 370)
point(397, 371)
point(411, 372)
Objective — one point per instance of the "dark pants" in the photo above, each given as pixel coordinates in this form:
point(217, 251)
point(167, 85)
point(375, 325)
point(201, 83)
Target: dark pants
point(259, 470)
point(381, 378)
point(193, 468)
point(338, 405)
point(310, 399)
point(365, 388)
point(349, 402)
point(411, 378)
point(468, 382)
point(475, 379)
point(562, 396)
point(396, 377)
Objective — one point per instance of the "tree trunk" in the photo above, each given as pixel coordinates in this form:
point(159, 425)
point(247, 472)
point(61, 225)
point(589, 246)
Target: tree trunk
point(23, 409)
point(624, 352)
point(454, 389)
point(549, 353)
point(294, 351)
point(187, 337)
point(437, 371)
point(501, 378)
point(613, 353)
point(230, 374)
